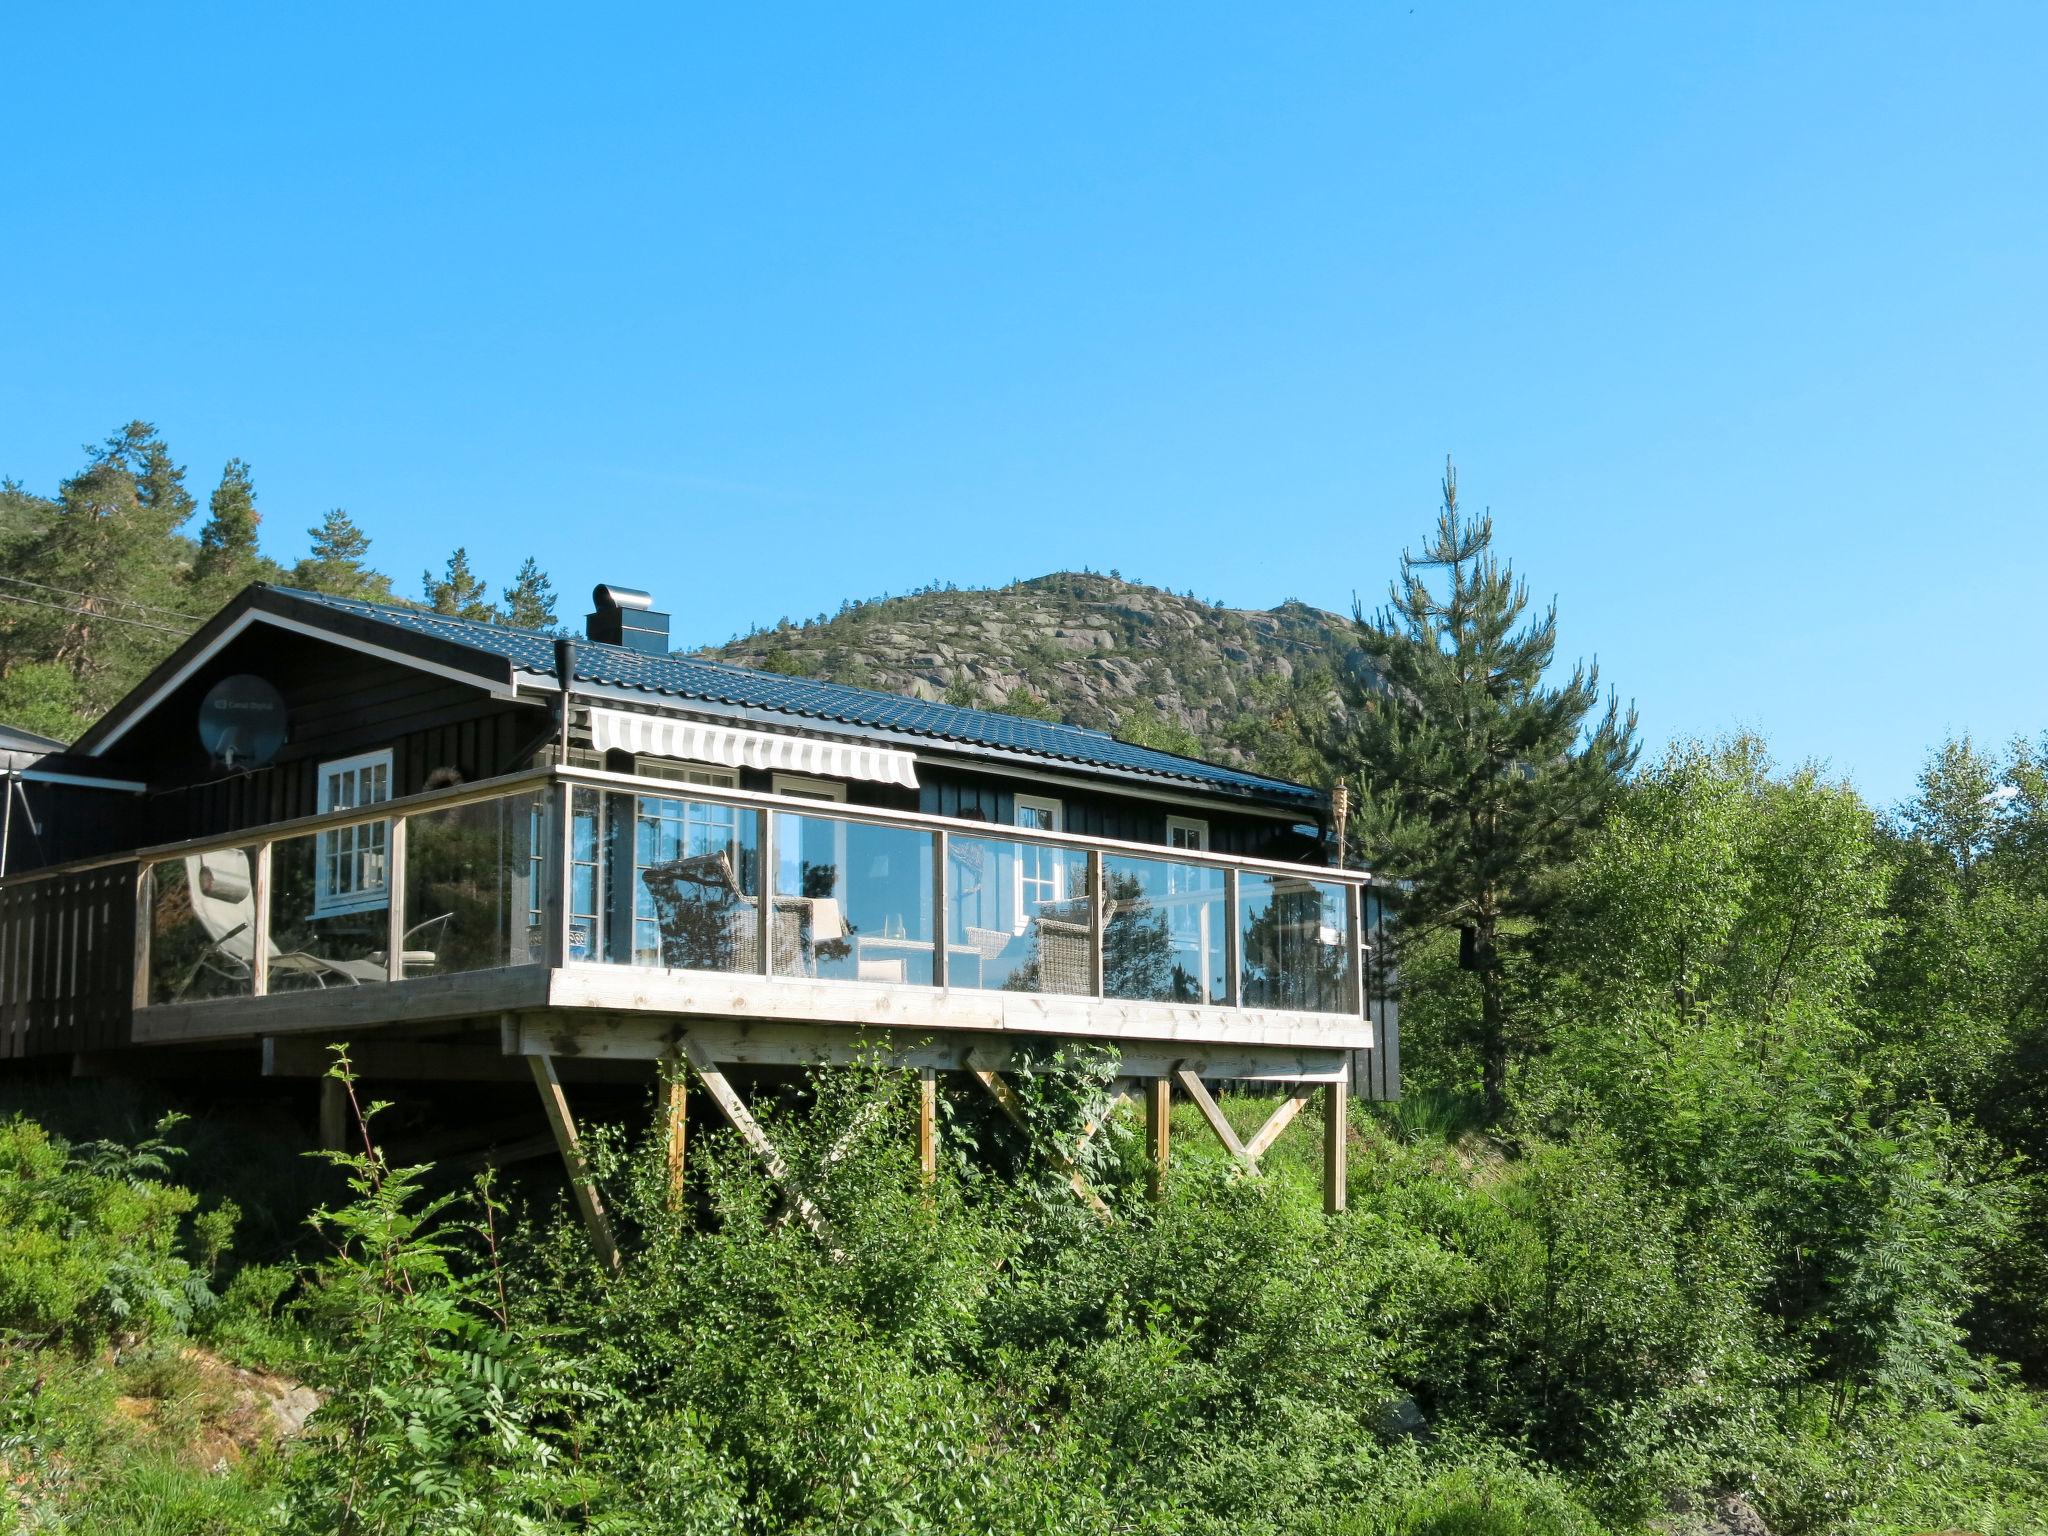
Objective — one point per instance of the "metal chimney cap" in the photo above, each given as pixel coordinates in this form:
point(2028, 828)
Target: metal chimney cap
point(604, 595)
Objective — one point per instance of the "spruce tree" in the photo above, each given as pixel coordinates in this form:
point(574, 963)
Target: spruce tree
point(460, 592)
point(1476, 780)
point(228, 557)
point(530, 600)
point(338, 563)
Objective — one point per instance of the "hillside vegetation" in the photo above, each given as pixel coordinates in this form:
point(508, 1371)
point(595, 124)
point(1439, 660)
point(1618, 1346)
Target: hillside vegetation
point(1716, 1197)
point(1157, 667)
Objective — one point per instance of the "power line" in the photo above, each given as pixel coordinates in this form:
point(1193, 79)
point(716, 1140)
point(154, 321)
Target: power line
point(91, 613)
point(94, 597)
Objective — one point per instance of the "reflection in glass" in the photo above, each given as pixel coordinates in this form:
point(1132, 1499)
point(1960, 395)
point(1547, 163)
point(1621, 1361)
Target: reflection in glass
point(853, 900)
point(1017, 917)
point(683, 887)
point(202, 927)
point(310, 946)
point(1163, 926)
point(1296, 944)
point(467, 872)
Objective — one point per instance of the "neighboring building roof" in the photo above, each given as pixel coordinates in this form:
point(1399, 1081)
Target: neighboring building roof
point(21, 749)
point(801, 698)
point(14, 739)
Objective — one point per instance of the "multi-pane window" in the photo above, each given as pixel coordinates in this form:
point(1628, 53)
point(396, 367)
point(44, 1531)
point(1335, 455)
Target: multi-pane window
point(1187, 912)
point(352, 859)
point(1040, 873)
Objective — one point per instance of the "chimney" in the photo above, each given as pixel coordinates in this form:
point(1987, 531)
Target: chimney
point(626, 616)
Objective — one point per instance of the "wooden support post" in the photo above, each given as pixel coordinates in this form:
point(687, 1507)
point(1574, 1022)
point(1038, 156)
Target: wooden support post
point(145, 915)
point(941, 960)
point(333, 1115)
point(764, 902)
point(675, 1104)
point(561, 869)
point(735, 1110)
point(259, 917)
point(1097, 919)
point(928, 1122)
point(555, 1105)
point(1191, 1085)
point(1336, 1140)
point(1158, 1132)
point(394, 891)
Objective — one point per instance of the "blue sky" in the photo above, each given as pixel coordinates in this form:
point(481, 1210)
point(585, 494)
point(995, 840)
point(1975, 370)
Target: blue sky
point(1735, 316)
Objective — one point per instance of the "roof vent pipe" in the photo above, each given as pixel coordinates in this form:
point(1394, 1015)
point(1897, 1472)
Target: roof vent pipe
point(626, 616)
point(565, 678)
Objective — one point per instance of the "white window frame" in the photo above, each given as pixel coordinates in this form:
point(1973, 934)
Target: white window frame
point(685, 776)
point(1054, 873)
point(1197, 825)
point(805, 788)
point(669, 770)
point(367, 843)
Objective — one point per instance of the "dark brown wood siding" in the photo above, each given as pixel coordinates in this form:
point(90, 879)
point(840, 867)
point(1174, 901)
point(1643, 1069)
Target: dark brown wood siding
point(1104, 813)
point(67, 959)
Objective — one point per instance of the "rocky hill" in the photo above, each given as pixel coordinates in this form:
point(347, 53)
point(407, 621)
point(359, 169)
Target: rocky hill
point(1157, 667)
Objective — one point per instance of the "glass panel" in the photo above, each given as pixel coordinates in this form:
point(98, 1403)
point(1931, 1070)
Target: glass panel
point(586, 921)
point(1163, 931)
point(1296, 944)
point(469, 905)
point(682, 883)
point(311, 946)
point(853, 900)
point(1017, 916)
point(202, 927)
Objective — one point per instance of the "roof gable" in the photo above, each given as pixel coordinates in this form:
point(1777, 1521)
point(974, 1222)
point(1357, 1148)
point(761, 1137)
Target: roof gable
point(493, 657)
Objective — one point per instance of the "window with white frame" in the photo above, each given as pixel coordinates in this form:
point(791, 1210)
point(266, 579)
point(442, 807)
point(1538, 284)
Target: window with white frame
point(1041, 874)
point(352, 859)
point(669, 827)
point(1187, 917)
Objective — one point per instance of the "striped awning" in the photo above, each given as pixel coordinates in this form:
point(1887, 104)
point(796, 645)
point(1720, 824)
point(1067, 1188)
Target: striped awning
point(699, 741)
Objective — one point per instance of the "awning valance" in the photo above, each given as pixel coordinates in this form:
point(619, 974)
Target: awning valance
point(701, 742)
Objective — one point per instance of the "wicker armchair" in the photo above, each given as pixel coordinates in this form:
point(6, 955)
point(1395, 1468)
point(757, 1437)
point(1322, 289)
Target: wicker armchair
point(709, 924)
point(1063, 949)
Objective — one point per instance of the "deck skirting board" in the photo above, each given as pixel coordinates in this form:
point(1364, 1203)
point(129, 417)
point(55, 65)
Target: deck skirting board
point(831, 1006)
point(705, 994)
point(595, 1037)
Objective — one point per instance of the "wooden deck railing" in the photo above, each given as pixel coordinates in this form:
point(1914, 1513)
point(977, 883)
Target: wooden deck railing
point(569, 868)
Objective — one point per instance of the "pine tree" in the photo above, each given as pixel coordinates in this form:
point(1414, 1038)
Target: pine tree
point(460, 592)
point(228, 556)
point(1477, 781)
point(106, 561)
point(337, 563)
point(530, 600)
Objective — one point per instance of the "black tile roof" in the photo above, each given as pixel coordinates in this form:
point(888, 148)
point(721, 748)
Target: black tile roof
point(687, 677)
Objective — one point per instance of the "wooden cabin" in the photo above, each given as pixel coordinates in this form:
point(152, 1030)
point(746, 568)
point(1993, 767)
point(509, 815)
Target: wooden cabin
point(441, 840)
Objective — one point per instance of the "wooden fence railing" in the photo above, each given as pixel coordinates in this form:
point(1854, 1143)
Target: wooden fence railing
point(67, 961)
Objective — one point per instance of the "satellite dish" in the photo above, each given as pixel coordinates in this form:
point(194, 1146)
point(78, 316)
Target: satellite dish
point(242, 722)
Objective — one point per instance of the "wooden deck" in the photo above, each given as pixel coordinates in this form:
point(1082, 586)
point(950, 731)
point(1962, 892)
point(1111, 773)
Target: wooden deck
point(87, 962)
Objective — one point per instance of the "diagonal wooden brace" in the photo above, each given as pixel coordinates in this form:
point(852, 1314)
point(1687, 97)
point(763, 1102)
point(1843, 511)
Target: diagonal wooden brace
point(1007, 1101)
point(1296, 1101)
point(555, 1105)
point(1191, 1084)
point(735, 1110)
